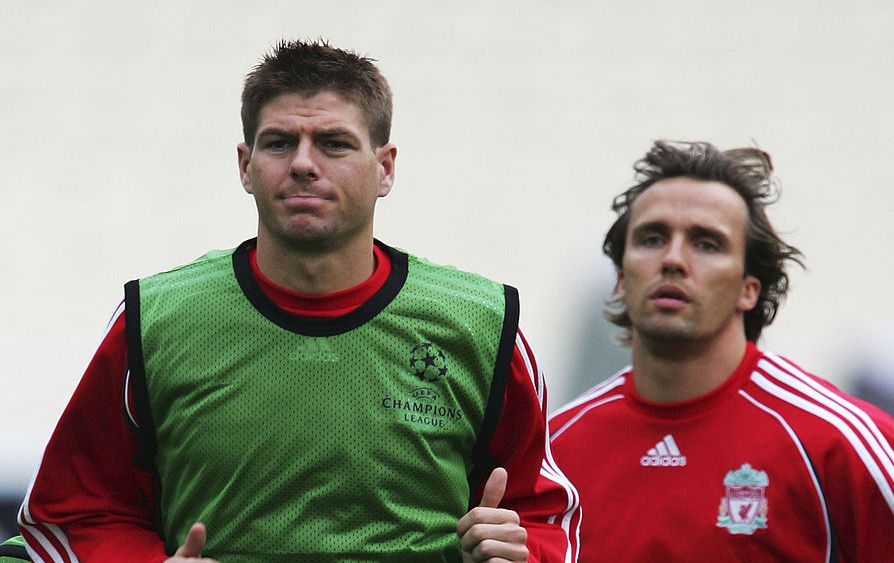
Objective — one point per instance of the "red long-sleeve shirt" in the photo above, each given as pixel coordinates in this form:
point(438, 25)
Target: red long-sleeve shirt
point(89, 501)
point(774, 465)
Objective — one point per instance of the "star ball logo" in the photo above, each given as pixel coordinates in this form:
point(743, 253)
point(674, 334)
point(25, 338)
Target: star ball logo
point(428, 362)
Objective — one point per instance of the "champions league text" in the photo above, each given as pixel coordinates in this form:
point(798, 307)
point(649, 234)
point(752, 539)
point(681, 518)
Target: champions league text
point(422, 413)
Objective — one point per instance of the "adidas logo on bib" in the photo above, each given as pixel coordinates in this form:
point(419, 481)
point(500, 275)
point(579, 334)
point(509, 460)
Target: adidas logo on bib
point(664, 454)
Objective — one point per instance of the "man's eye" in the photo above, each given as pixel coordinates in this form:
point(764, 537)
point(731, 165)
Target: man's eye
point(650, 240)
point(278, 145)
point(331, 145)
point(707, 245)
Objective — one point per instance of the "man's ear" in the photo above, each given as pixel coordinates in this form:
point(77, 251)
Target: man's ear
point(243, 155)
point(619, 285)
point(751, 291)
point(386, 155)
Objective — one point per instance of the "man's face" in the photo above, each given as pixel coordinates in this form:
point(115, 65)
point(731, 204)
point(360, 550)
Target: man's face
point(313, 173)
point(682, 275)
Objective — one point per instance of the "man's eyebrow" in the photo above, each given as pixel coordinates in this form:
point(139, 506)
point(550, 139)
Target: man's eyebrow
point(335, 132)
point(274, 132)
point(654, 226)
point(707, 231)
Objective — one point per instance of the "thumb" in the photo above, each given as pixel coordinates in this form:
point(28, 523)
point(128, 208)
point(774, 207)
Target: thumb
point(195, 541)
point(494, 488)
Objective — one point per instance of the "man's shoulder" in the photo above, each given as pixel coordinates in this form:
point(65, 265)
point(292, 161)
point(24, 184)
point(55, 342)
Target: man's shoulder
point(446, 270)
point(815, 406)
point(211, 260)
point(450, 279)
point(589, 405)
point(214, 267)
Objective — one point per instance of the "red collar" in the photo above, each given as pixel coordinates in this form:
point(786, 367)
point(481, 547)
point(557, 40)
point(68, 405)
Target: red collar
point(326, 305)
point(698, 405)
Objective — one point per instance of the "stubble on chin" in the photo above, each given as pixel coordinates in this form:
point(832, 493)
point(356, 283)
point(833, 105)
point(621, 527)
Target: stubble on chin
point(663, 328)
point(306, 240)
point(670, 342)
point(666, 333)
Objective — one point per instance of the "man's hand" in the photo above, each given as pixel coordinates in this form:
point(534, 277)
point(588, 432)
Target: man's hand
point(492, 534)
point(191, 550)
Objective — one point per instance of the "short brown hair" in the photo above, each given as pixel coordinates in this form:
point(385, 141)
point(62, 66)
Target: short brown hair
point(748, 171)
point(310, 67)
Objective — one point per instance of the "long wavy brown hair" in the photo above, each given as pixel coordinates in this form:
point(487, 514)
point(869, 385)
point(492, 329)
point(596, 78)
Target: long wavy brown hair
point(748, 171)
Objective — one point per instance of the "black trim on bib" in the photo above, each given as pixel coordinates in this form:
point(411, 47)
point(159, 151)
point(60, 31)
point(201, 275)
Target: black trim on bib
point(14, 551)
point(482, 461)
point(319, 326)
point(145, 431)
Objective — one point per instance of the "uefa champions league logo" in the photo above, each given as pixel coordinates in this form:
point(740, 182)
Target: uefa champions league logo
point(428, 362)
point(422, 406)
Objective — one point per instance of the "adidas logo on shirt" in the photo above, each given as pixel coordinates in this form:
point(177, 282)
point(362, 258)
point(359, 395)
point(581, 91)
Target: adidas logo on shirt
point(664, 454)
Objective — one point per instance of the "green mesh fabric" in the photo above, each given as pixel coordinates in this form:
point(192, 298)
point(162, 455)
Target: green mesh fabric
point(352, 447)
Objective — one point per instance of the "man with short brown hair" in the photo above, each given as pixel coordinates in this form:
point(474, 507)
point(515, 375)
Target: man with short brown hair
point(313, 394)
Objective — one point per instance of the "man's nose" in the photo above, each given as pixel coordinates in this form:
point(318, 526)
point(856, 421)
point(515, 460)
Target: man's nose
point(674, 260)
point(304, 161)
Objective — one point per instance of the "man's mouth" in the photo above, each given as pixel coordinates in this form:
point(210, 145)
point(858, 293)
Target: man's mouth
point(303, 199)
point(669, 296)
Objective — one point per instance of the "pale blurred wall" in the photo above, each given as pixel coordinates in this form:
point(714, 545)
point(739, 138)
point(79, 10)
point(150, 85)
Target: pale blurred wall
point(516, 123)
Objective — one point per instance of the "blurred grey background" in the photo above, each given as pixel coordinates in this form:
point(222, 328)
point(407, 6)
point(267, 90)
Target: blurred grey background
point(516, 123)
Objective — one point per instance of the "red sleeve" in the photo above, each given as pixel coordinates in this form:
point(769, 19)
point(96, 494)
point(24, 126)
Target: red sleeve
point(88, 501)
point(537, 489)
point(860, 486)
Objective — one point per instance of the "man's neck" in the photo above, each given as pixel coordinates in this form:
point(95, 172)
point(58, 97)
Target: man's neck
point(315, 271)
point(668, 372)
